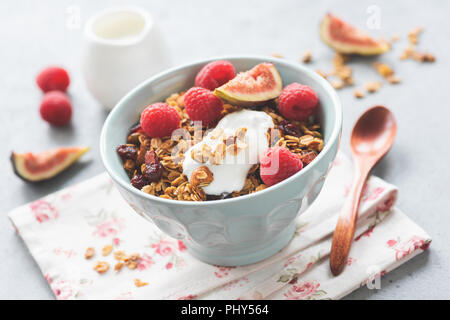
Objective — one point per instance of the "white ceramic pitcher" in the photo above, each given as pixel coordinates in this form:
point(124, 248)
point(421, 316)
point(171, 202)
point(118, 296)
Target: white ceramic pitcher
point(122, 48)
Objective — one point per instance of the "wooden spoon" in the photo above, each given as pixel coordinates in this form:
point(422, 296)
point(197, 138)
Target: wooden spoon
point(372, 137)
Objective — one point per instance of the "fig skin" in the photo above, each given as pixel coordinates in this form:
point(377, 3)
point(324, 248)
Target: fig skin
point(12, 158)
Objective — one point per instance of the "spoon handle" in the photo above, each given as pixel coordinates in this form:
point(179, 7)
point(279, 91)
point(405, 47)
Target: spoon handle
point(345, 228)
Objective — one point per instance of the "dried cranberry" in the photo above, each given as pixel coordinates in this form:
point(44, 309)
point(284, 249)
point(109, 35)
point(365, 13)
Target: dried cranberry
point(151, 157)
point(127, 151)
point(308, 157)
point(136, 128)
point(138, 181)
point(153, 172)
point(289, 129)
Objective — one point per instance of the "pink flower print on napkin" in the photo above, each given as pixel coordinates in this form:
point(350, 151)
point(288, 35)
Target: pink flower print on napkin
point(163, 247)
point(145, 261)
point(350, 261)
point(109, 228)
point(43, 211)
point(403, 249)
point(366, 233)
point(222, 272)
point(387, 204)
point(188, 297)
point(181, 245)
point(306, 290)
point(374, 194)
point(124, 296)
point(61, 289)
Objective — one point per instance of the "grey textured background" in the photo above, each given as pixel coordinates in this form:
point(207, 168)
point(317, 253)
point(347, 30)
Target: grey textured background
point(34, 34)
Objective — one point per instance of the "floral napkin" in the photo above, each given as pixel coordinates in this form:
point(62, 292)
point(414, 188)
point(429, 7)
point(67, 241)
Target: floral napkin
point(58, 229)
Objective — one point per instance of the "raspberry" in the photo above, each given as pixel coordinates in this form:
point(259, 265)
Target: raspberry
point(215, 74)
point(56, 108)
point(297, 102)
point(53, 78)
point(159, 120)
point(277, 164)
point(202, 105)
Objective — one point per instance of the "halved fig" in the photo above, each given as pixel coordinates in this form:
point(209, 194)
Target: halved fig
point(254, 87)
point(347, 39)
point(45, 165)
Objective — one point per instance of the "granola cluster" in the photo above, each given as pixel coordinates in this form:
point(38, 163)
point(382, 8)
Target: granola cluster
point(410, 52)
point(301, 138)
point(131, 261)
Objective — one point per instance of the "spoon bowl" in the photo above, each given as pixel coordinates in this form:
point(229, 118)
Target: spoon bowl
point(374, 132)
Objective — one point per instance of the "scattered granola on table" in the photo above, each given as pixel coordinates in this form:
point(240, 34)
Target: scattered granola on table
point(358, 93)
point(373, 86)
point(341, 70)
point(277, 55)
point(307, 57)
point(410, 52)
point(386, 72)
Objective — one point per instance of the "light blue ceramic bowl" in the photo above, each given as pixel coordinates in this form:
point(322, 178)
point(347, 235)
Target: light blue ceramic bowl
point(235, 231)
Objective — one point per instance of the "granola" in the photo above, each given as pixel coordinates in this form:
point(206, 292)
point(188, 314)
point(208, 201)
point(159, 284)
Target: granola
point(155, 165)
point(90, 252)
point(410, 52)
point(107, 250)
point(138, 283)
point(101, 266)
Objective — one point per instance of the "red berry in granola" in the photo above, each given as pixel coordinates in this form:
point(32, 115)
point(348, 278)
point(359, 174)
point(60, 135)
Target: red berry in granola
point(215, 74)
point(138, 181)
point(202, 105)
point(159, 120)
point(289, 128)
point(308, 157)
point(153, 168)
point(56, 108)
point(297, 102)
point(53, 78)
point(277, 164)
point(136, 128)
point(127, 151)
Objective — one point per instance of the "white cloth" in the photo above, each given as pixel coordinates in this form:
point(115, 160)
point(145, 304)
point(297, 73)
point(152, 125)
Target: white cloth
point(58, 228)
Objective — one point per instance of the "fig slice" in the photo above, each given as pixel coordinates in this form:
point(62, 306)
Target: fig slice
point(45, 165)
point(347, 39)
point(253, 87)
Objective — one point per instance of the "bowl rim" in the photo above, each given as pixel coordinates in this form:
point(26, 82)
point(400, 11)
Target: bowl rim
point(335, 134)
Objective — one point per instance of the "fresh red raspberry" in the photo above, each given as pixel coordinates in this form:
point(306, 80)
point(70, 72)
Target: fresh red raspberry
point(159, 120)
point(215, 74)
point(277, 164)
point(202, 105)
point(297, 102)
point(53, 78)
point(56, 108)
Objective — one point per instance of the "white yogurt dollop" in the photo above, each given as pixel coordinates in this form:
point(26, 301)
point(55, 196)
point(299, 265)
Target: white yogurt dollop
point(230, 175)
